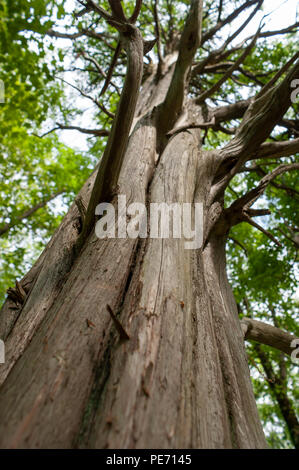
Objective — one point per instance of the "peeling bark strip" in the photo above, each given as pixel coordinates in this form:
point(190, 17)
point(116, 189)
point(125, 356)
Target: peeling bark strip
point(182, 379)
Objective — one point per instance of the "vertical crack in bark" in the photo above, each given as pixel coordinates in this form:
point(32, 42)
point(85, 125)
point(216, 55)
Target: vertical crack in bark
point(103, 367)
point(93, 402)
point(245, 430)
point(101, 376)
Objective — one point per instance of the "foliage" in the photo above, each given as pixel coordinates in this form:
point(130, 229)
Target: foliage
point(264, 277)
point(32, 169)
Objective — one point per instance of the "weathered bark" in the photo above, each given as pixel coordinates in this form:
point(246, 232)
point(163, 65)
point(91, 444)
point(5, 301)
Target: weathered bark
point(182, 379)
point(182, 366)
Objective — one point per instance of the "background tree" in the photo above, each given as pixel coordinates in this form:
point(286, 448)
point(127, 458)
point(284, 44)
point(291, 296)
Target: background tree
point(146, 332)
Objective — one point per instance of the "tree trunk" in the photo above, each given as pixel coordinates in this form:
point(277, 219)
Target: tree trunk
point(279, 390)
point(182, 379)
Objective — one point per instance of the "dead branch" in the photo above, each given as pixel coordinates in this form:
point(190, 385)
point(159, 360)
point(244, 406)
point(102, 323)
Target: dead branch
point(229, 72)
point(279, 74)
point(25, 215)
point(264, 333)
point(158, 36)
point(189, 43)
point(259, 120)
point(136, 12)
point(95, 132)
point(209, 34)
point(111, 68)
point(276, 149)
point(238, 210)
point(117, 10)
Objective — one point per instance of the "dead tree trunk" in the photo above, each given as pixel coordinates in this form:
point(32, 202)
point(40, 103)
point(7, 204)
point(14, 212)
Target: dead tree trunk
point(182, 379)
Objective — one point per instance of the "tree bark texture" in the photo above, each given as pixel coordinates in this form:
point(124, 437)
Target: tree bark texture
point(182, 379)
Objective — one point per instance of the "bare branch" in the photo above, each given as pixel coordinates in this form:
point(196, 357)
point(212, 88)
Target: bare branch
point(259, 170)
point(268, 234)
point(95, 132)
point(220, 11)
point(204, 125)
point(232, 111)
point(293, 240)
point(94, 100)
point(229, 72)
point(94, 62)
point(136, 12)
point(238, 208)
point(222, 52)
point(258, 122)
point(264, 333)
point(117, 10)
point(189, 43)
point(57, 34)
point(215, 57)
point(279, 74)
point(157, 31)
point(98, 9)
point(239, 244)
point(82, 93)
point(276, 149)
point(111, 68)
point(258, 212)
point(243, 26)
point(82, 12)
point(291, 124)
point(18, 219)
point(46, 133)
point(209, 34)
point(290, 29)
point(251, 76)
point(106, 111)
point(84, 32)
point(99, 69)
